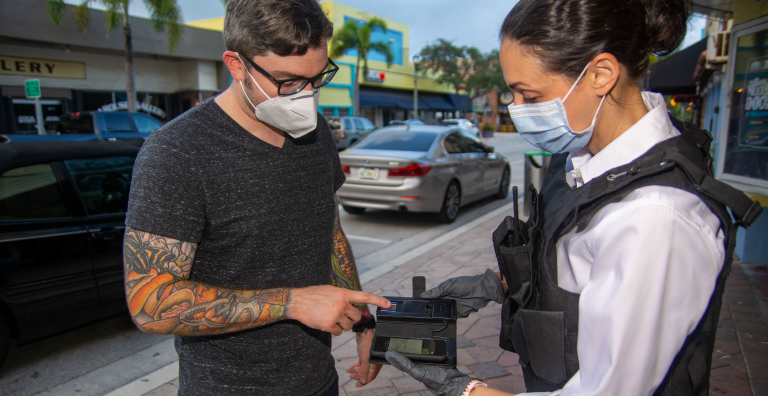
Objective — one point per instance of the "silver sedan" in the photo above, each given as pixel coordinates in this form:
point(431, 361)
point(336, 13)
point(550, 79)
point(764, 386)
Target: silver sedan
point(421, 168)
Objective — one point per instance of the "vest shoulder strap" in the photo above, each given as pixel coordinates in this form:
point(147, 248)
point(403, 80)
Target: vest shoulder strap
point(744, 210)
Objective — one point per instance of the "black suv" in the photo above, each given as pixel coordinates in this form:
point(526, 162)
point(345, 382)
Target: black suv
point(62, 218)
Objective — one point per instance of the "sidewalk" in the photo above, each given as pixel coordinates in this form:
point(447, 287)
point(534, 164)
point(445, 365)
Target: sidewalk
point(740, 360)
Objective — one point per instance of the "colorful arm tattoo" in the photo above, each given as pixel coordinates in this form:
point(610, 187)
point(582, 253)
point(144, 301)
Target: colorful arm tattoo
point(343, 269)
point(162, 299)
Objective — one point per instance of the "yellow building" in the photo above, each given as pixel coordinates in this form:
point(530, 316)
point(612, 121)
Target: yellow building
point(386, 93)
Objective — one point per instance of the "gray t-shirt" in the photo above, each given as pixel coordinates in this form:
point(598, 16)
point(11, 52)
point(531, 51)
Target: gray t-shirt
point(263, 218)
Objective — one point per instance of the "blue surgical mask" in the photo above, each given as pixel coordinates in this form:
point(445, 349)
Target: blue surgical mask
point(545, 125)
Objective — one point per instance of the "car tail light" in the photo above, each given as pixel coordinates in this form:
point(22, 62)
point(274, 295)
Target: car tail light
point(342, 135)
point(75, 115)
point(411, 170)
point(345, 168)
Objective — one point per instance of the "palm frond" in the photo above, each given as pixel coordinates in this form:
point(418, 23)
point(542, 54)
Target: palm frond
point(55, 9)
point(114, 17)
point(166, 16)
point(344, 39)
point(384, 49)
point(377, 22)
point(82, 15)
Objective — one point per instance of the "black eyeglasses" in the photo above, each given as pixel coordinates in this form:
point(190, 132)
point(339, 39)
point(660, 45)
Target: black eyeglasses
point(293, 85)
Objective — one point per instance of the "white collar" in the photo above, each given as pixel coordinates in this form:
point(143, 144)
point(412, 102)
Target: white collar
point(654, 128)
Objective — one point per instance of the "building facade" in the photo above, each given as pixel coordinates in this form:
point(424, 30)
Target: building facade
point(386, 93)
point(737, 99)
point(81, 71)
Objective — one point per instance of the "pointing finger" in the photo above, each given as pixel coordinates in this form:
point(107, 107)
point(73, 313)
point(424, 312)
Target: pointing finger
point(359, 297)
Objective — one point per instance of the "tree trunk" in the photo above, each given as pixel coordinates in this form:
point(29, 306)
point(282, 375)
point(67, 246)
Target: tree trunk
point(356, 87)
point(130, 76)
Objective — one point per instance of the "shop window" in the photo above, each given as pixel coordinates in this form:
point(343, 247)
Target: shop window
point(343, 112)
point(31, 192)
point(744, 153)
point(26, 120)
point(92, 101)
point(327, 112)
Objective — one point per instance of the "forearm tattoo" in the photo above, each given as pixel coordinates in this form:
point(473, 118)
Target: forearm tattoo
point(343, 268)
point(162, 299)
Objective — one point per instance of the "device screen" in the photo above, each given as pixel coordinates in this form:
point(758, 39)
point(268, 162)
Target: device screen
point(412, 346)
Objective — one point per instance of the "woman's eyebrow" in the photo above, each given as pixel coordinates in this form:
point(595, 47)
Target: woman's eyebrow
point(516, 85)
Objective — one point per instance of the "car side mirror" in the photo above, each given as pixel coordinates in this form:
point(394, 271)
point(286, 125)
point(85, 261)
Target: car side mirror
point(489, 149)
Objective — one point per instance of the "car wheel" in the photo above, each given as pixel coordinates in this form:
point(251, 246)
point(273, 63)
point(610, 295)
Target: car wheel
point(451, 203)
point(503, 185)
point(5, 339)
point(353, 209)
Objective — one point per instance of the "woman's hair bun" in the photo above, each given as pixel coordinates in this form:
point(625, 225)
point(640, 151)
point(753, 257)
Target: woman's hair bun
point(567, 34)
point(666, 22)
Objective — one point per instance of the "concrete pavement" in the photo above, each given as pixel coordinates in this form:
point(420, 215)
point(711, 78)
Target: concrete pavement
point(740, 360)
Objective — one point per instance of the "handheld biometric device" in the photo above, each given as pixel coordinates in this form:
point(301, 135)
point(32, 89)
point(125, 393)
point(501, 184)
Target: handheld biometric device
point(422, 329)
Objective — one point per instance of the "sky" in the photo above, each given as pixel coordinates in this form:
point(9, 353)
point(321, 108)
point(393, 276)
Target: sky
point(472, 23)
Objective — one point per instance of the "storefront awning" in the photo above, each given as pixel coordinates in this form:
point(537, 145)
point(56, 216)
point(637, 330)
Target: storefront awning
point(673, 75)
point(400, 99)
point(392, 98)
point(435, 102)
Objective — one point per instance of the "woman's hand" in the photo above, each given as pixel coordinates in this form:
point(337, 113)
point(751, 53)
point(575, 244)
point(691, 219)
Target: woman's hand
point(440, 381)
point(470, 292)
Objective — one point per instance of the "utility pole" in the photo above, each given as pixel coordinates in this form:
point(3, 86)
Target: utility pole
point(416, 87)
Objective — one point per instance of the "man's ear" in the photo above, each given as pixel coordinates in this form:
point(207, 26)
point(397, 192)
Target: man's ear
point(607, 70)
point(235, 66)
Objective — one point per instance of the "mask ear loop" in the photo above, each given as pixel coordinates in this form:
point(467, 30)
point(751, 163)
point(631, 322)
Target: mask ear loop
point(574, 84)
point(594, 119)
point(252, 79)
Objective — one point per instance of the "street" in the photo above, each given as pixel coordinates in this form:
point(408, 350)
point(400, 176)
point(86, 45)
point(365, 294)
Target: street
point(97, 359)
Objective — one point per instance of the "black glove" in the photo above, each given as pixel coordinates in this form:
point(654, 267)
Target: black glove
point(440, 381)
point(470, 292)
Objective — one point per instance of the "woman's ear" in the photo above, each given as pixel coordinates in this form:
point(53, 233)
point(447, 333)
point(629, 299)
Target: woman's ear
point(234, 65)
point(607, 71)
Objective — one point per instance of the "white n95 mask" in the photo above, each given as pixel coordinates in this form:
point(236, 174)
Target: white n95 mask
point(296, 114)
point(545, 125)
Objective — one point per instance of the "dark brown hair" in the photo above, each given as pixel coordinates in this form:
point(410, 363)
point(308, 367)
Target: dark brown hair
point(284, 27)
point(568, 34)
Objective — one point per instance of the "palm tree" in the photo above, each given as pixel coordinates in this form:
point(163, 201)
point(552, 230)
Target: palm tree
point(358, 37)
point(165, 15)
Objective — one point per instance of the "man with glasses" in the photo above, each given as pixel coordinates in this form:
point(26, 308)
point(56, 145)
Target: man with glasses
point(233, 241)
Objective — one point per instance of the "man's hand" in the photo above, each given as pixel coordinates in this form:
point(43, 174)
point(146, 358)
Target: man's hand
point(470, 292)
point(329, 308)
point(362, 370)
point(440, 381)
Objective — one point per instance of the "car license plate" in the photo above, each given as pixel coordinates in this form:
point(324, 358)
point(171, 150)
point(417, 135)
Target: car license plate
point(369, 173)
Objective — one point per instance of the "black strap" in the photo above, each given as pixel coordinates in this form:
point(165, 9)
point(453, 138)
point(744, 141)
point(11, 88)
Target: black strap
point(744, 209)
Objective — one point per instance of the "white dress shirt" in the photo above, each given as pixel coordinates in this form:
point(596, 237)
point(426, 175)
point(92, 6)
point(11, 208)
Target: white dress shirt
point(645, 267)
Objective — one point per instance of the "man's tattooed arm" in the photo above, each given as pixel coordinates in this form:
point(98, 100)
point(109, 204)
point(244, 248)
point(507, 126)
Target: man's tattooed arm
point(343, 268)
point(162, 299)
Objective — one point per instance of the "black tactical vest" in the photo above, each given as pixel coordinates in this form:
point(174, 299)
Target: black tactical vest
point(540, 320)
